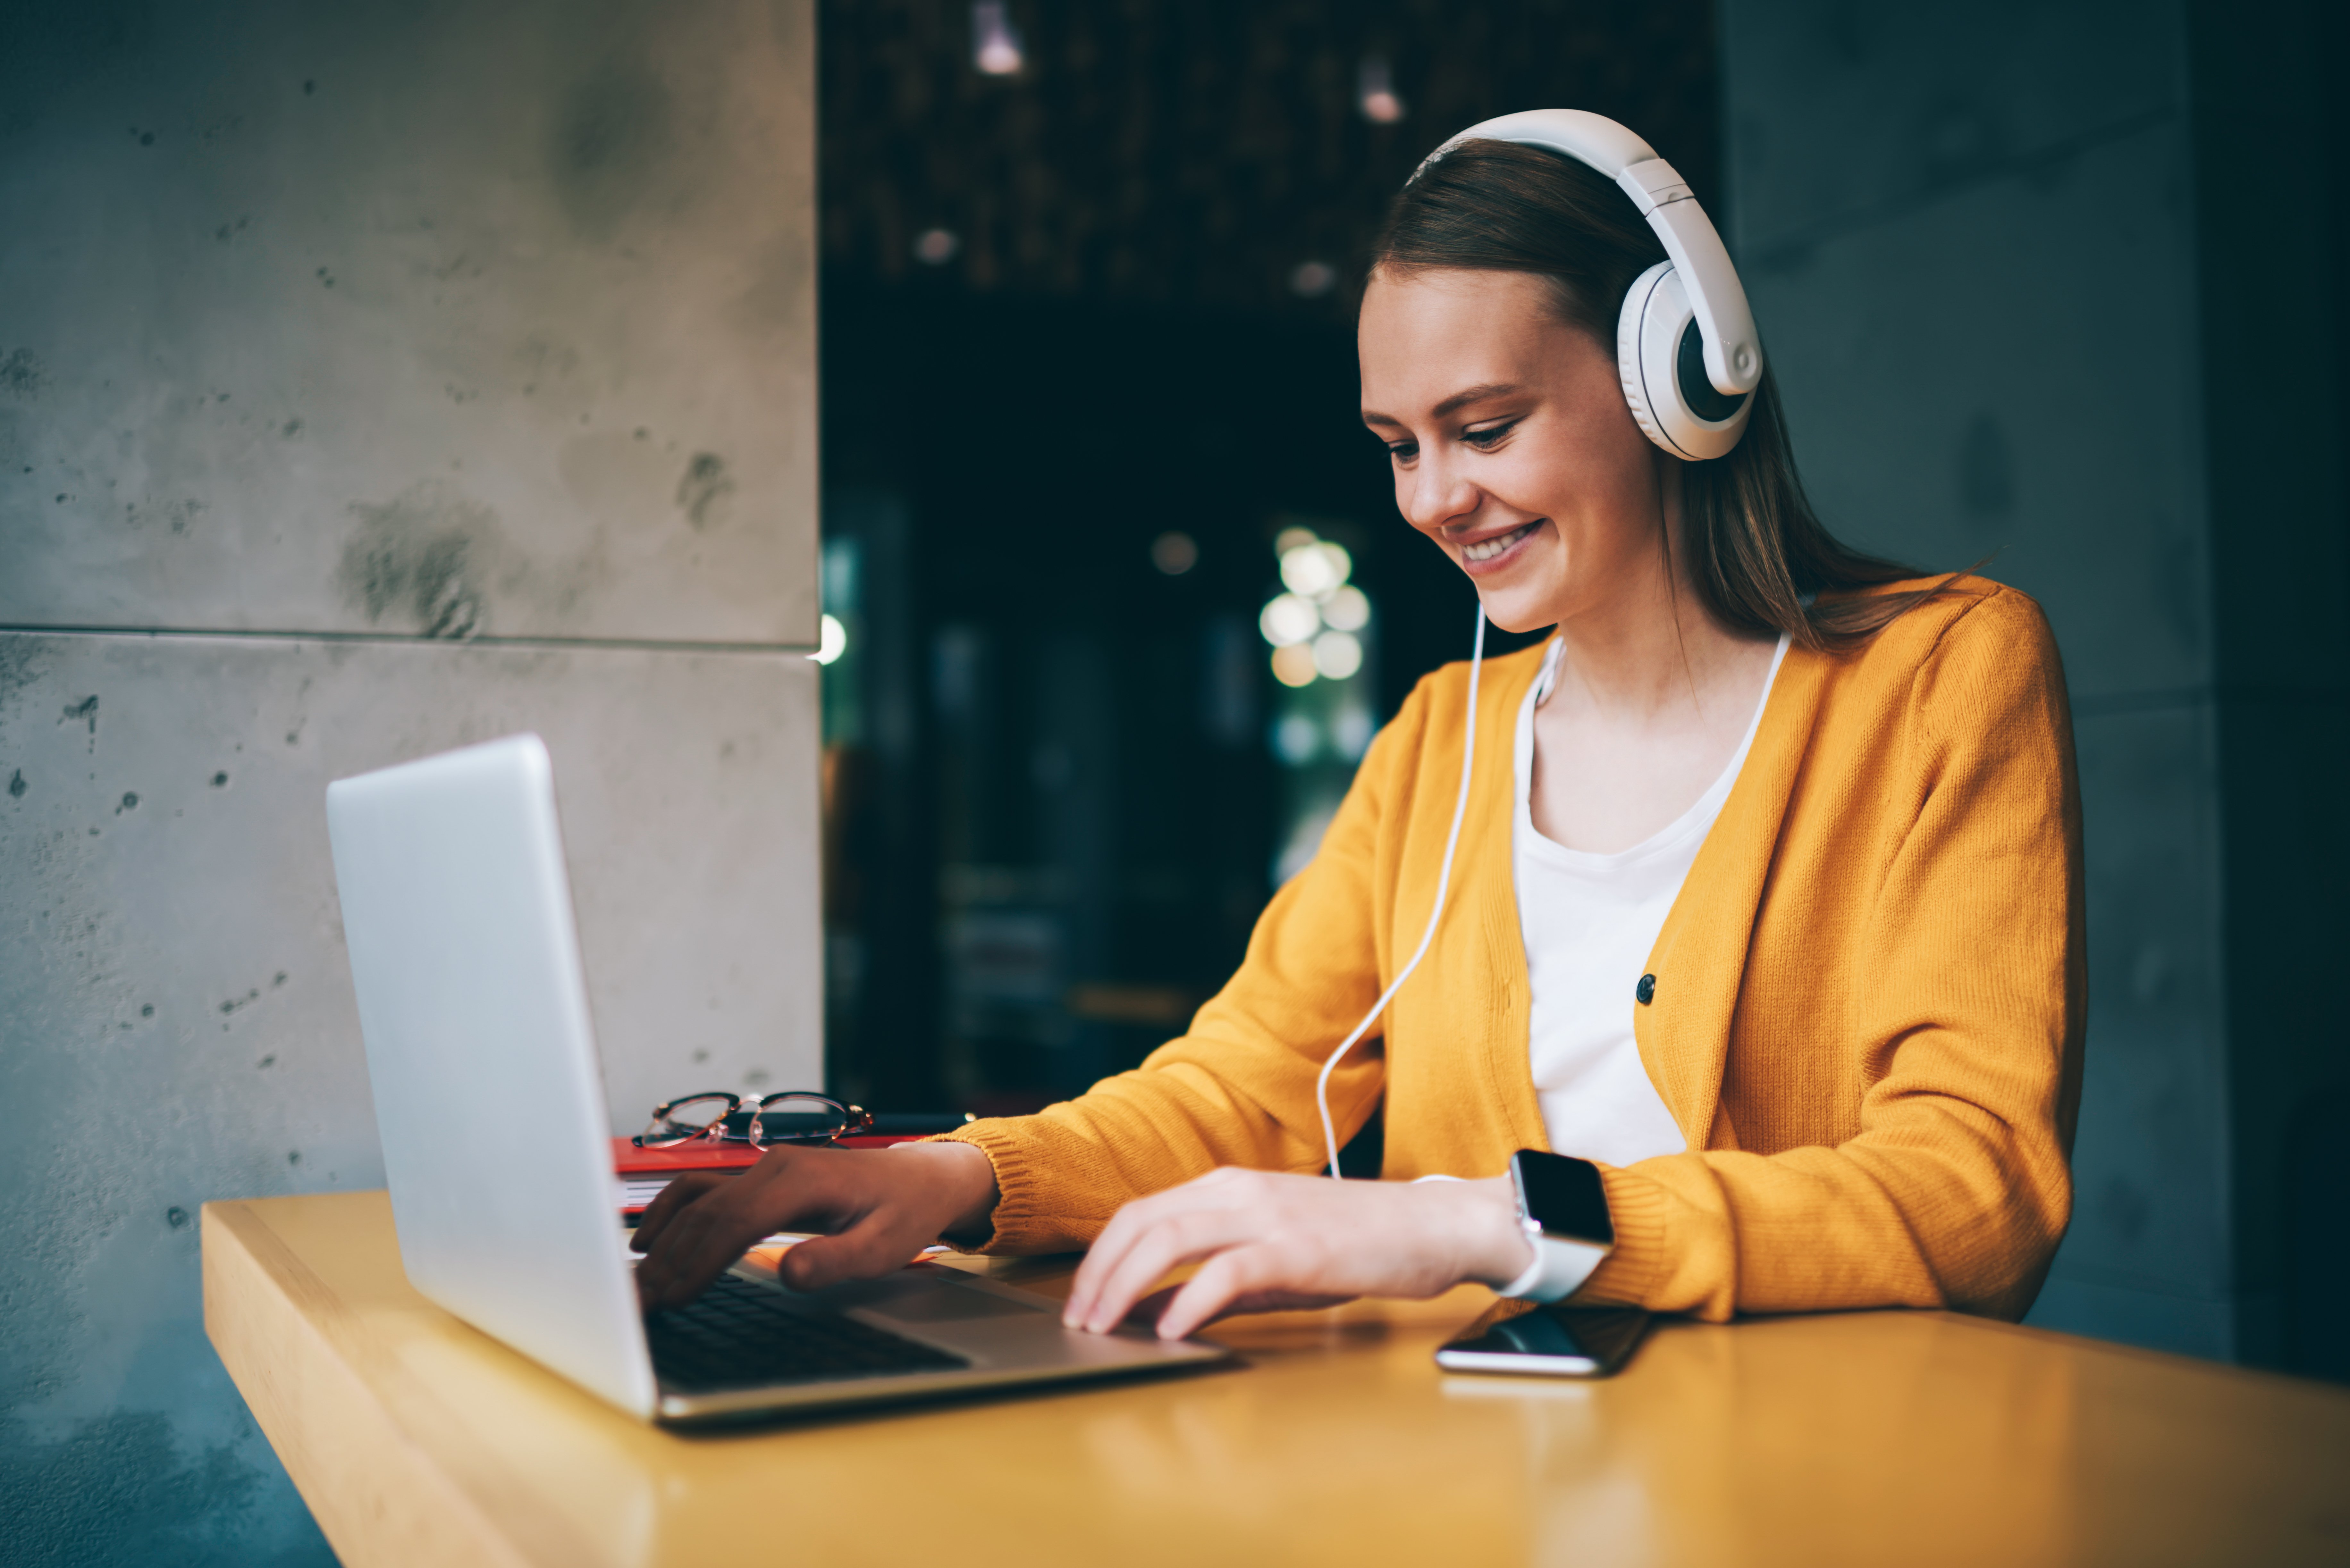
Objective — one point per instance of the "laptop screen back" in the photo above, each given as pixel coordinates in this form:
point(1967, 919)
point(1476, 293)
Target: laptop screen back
point(457, 914)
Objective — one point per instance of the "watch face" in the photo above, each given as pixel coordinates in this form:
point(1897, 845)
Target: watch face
point(1563, 1196)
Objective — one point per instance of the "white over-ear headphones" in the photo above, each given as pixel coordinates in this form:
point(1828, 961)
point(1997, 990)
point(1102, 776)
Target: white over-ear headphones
point(1685, 344)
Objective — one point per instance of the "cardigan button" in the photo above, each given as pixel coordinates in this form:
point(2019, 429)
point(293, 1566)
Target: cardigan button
point(1647, 990)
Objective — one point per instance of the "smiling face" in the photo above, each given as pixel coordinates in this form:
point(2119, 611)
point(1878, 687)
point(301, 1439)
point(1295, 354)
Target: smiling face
point(1512, 445)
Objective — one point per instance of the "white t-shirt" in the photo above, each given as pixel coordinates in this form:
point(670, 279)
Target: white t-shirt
point(1588, 922)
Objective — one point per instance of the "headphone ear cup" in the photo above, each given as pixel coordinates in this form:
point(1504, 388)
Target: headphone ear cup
point(1657, 352)
point(1627, 355)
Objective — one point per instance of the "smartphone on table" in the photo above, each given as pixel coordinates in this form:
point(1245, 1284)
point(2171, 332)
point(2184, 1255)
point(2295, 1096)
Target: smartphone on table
point(1526, 1338)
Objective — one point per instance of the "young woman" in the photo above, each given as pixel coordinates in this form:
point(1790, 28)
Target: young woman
point(1766, 900)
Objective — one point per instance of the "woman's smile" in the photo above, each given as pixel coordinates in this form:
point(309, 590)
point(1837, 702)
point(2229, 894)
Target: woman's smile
point(1489, 555)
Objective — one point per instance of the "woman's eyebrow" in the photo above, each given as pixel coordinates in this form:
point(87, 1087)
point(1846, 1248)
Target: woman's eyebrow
point(1453, 404)
point(1475, 395)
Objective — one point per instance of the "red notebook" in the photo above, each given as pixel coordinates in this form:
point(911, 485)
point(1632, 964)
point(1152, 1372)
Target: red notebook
point(641, 1173)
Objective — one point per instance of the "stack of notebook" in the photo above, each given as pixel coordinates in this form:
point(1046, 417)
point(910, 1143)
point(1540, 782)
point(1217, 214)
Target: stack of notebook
point(640, 1174)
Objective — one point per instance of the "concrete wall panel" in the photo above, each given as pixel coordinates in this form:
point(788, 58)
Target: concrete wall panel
point(436, 320)
point(1841, 113)
point(1972, 238)
point(1954, 396)
point(176, 1021)
point(2149, 1238)
point(429, 371)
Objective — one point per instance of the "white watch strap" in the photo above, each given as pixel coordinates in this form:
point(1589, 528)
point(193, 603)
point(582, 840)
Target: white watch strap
point(1558, 1270)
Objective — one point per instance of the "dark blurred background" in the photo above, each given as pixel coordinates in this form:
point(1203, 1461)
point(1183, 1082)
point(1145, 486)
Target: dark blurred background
point(1088, 327)
point(2054, 286)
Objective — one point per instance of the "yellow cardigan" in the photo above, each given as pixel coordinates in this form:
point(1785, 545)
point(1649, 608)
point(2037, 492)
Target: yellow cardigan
point(1866, 1017)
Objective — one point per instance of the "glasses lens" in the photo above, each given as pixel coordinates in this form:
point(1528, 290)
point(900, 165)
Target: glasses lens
point(692, 1116)
point(801, 1118)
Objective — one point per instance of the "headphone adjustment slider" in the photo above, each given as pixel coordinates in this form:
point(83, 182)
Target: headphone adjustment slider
point(1653, 183)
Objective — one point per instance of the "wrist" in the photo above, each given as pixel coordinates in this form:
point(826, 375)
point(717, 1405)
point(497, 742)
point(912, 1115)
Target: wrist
point(966, 1183)
point(1493, 1246)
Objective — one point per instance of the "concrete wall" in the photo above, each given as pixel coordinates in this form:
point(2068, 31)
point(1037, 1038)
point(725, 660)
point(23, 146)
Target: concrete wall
point(2011, 277)
point(374, 379)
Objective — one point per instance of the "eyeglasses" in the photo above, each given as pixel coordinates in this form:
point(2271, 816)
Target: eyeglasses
point(793, 1117)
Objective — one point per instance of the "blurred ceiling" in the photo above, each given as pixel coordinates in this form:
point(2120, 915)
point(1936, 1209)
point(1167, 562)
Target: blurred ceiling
point(1195, 154)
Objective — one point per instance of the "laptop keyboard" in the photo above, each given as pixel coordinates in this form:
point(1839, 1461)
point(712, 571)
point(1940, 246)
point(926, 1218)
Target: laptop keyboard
point(742, 1335)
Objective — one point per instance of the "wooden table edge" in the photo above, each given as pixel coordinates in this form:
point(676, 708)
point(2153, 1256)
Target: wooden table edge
point(378, 1476)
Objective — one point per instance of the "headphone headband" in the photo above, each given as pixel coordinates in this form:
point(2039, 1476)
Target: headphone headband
point(1733, 357)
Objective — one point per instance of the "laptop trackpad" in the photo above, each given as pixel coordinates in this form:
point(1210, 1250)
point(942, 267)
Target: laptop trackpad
point(924, 1300)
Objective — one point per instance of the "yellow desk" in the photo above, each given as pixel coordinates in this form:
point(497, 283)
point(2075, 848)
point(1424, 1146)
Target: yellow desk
point(1876, 1437)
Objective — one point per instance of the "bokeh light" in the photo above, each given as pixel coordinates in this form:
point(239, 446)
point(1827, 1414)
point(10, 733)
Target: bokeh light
point(1348, 610)
point(1336, 655)
point(1315, 569)
point(1174, 553)
point(1293, 665)
point(1295, 739)
point(1288, 620)
point(994, 41)
point(1374, 92)
point(832, 640)
point(1351, 731)
point(1311, 279)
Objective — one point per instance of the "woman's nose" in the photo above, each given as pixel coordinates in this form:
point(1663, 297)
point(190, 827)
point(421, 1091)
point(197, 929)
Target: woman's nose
point(1435, 494)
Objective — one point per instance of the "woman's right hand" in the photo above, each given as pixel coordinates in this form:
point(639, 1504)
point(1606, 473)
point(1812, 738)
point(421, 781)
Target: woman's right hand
point(874, 1209)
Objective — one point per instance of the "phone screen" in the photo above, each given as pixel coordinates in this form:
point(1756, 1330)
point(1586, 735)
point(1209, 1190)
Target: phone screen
point(1555, 1341)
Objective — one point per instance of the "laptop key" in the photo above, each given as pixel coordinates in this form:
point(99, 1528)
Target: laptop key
point(742, 1335)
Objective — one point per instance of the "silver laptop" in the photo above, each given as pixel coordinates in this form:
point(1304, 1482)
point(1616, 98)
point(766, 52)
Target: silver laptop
point(496, 1141)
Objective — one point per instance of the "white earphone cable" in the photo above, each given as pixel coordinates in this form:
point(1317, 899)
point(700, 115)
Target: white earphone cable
point(1443, 882)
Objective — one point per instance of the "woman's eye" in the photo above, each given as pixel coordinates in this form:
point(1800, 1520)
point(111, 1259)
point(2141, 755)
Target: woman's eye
point(1489, 437)
point(1403, 451)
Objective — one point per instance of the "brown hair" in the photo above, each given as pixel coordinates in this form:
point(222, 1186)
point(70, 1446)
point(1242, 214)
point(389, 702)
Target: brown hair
point(1757, 549)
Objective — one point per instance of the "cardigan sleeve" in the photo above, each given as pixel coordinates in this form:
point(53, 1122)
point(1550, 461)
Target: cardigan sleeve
point(1237, 1089)
point(1968, 1003)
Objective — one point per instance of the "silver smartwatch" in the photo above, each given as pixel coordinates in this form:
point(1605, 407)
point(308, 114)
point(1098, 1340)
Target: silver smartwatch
point(1563, 1209)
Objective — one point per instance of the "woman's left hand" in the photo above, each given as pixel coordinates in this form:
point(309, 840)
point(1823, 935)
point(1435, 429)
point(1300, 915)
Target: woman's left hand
point(1267, 1241)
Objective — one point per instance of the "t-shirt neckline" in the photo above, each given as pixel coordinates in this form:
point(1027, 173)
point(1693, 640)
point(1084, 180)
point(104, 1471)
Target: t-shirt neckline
point(1697, 818)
